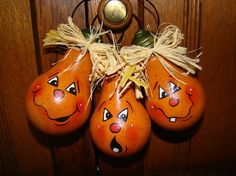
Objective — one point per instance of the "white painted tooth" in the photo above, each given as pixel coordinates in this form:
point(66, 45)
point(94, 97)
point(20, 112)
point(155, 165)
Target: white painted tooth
point(172, 119)
point(115, 150)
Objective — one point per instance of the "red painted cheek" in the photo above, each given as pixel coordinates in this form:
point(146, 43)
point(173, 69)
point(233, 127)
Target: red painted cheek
point(153, 111)
point(132, 134)
point(80, 106)
point(36, 86)
point(190, 90)
point(100, 133)
point(152, 107)
point(193, 92)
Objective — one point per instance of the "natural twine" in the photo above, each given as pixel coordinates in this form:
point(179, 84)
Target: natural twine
point(166, 48)
point(130, 62)
point(104, 57)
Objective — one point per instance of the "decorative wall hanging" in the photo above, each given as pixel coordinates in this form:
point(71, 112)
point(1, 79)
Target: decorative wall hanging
point(155, 67)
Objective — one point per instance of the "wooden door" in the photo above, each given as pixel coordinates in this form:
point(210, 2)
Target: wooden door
point(207, 149)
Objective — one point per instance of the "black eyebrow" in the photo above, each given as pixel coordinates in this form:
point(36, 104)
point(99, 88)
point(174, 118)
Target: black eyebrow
point(155, 85)
point(101, 105)
point(130, 105)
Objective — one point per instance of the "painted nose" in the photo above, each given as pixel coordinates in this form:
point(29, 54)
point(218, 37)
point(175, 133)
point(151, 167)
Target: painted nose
point(58, 93)
point(115, 127)
point(174, 102)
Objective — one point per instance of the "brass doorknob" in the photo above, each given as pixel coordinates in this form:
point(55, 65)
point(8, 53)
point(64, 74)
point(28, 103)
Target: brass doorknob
point(115, 14)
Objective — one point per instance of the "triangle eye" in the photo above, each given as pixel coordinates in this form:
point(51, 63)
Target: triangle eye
point(106, 115)
point(174, 88)
point(123, 115)
point(162, 93)
point(71, 89)
point(53, 81)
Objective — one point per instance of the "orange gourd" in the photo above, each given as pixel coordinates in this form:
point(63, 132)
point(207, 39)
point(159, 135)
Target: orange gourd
point(119, 126)
point(58, 101)
point(172, 104)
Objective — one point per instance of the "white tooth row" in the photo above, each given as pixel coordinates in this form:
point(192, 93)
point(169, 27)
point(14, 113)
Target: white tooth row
point(172, 119)
point(116, 150)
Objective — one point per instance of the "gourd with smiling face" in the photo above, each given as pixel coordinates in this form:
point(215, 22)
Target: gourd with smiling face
point(119, 126)
point(172, 104)
point(58, 100)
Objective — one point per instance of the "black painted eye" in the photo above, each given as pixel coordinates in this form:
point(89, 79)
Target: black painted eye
point(123, 115)
point(174, 88)
point(53, 81)
point(71, 89)
point(106, 115)
point(162, 93)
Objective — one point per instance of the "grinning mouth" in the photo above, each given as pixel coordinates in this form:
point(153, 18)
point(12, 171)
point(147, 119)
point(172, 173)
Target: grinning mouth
point(61, 120)
point(173, 119)
point(185, 118)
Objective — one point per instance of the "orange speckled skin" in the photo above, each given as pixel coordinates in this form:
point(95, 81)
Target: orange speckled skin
point(119, 126)
point(171, 104)
point(58, 101)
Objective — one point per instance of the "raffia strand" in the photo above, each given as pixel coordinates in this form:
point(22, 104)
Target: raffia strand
point(104, 57)
point(166, 48)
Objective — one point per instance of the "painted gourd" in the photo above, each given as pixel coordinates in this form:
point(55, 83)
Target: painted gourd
point(172, 104)
point(58, 101)
point(119, 126)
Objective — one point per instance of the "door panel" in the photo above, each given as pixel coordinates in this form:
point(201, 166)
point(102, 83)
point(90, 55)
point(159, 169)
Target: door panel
point(20, 152)
point(214, 143)
point(206, 149)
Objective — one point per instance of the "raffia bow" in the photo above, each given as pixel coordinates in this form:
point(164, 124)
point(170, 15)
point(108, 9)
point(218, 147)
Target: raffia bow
point(104, 57)
point(167, 49)
point(130, 61)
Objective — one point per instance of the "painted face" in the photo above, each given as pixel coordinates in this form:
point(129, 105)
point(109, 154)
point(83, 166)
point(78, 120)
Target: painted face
point(58, 101)
point(170, 103)
point(119, 126)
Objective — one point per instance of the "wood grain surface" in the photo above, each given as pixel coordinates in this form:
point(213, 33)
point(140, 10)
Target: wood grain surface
point(206, 149)
point(20, 152)
point(214, 144)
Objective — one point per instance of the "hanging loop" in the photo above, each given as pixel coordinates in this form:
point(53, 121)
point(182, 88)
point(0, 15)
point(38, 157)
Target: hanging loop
point(115, 15)
point(86, 11)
